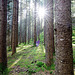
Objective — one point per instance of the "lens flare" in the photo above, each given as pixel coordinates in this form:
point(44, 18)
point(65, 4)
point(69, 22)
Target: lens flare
point(41, 12)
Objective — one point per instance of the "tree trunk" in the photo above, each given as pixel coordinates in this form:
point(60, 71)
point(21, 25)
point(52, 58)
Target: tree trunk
point(14, 28)
point(49, 33)
point(44, 31)
point(64, 52)
point(44, 22)
point(29, 26)
point(3, 24)
point(35, 25)
point(17, 22)
point(32, 24)
point(38, 25)
point(26, 24)
point(8, 25)
point(38, 29)
point(21, 22)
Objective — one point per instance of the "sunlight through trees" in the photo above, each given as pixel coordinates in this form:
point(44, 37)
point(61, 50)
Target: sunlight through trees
point(37, 37)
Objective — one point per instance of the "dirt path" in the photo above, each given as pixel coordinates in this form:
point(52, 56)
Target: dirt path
point(25, 60)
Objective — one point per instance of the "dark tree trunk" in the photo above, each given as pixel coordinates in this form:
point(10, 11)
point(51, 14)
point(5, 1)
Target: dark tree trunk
point(49, 33)
point(44, 22)
point(35, 25)
point(14, 28)
point(3, 24)
point(17, 7)
point(64, 52)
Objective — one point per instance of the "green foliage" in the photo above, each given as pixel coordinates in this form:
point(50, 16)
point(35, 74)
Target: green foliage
point(40, 64)
point(52, 67)
point(9, 49)
point(73, 34)
point(73, 42)
point(6, 71)
point(3, 69)
point(73, 30)
point(42, 37)
point(46, 67)
point(28, 66)
point(30, 71)
point(53, 54)
point(42, 68)
point(31, 42)
point(38, 69)
point(51, 72)
point(73, 61)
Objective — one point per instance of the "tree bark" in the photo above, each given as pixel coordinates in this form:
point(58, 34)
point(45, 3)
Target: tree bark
point(64, 52)
point(17, 7)
point(3, 24)
point(44, 22)
point(29, 25)
point(49, 33)
point(21, 22)
point(14, 28)
point(32, 24)
point(35, 36)
point(26, 24)
point(38, 25)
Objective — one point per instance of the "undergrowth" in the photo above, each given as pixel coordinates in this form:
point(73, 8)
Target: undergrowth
point(31, 58)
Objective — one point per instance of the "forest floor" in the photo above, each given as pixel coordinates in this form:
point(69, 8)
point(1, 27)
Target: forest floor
point(74, 57)
point(30, 60)
point(73, 44)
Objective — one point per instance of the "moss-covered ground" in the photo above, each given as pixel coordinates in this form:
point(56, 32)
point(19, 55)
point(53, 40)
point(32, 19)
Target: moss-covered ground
point(30, 60)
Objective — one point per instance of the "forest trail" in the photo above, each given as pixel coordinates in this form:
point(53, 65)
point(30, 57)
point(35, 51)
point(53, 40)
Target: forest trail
point(28, 60)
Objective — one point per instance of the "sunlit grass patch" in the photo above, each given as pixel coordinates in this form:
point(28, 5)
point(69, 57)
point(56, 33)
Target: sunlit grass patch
point(30, 56)
point(15, 62)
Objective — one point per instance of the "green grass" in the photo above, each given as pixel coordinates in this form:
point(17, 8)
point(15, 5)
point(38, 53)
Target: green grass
point(51, 72)
point(42, 37)
point(26, 54)
point(40, 64)
point(32, 58)
point(29, 58)
point(73, 42)
point(52, 67)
